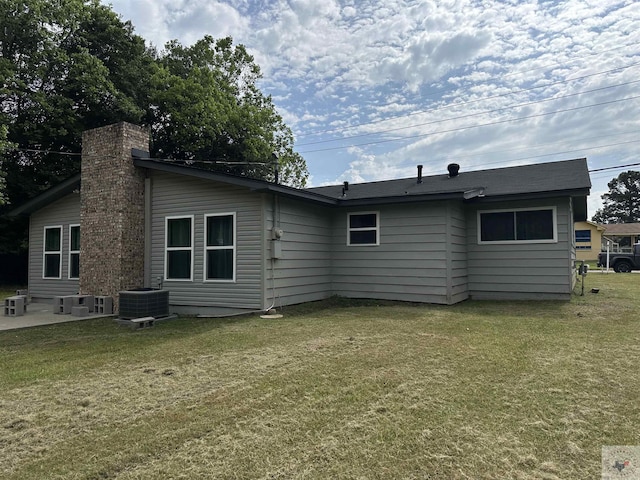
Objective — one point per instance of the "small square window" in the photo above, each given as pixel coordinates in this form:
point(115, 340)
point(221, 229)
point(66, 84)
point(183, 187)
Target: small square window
point(363, 228)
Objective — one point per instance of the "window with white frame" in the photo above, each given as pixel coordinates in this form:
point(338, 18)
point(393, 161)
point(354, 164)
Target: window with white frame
point(178, 261)
point(52, 253)
point(363, 228)
point(74, 251)
point(583, 236)
point(220, 247)
point(518, 225)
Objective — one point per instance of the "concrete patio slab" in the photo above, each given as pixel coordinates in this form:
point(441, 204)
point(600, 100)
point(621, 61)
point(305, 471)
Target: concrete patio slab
point(39, 314)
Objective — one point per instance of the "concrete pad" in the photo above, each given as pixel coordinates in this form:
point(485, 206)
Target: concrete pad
point(41, 314)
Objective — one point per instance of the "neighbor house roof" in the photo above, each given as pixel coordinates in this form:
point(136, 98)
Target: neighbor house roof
point(622, 229)
point(597, 226)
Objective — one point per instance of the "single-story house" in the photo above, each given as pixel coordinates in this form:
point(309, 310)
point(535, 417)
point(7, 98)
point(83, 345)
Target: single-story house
point(588, 240)
point(620, 236)
point(221, 243)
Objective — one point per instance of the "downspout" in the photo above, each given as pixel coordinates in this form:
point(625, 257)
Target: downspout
point(30, 260)
point(275, 222)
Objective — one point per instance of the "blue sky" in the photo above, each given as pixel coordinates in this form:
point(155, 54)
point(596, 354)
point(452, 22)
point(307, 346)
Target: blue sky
point(373, 88)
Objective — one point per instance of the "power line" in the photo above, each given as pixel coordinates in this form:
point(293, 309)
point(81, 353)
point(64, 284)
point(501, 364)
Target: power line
point(513, 92)
point(593, 147)
point(422, 135)
point(434, 93)
point(553, 154)
point(208, 162)
point(614, 168)
point(561, 142)
point(47, 152)
point(470, 114)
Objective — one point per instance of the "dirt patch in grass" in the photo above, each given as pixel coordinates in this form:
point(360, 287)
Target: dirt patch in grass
point(519, 390)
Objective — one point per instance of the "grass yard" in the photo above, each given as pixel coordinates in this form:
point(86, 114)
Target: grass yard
point(517, 390)
point(8, 291)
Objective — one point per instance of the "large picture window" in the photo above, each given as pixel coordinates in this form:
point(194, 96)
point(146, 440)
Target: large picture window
point(52, 253)
point(178, 262)
point(521, 225)
point(363, 228)
point(74, 251)
point(220, 247)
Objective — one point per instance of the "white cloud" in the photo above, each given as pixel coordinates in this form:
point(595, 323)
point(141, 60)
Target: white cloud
point(184, 20)
point(342, 64)
point(193, 19)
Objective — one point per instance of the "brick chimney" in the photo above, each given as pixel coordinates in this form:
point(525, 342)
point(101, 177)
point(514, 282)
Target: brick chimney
point(112, 210)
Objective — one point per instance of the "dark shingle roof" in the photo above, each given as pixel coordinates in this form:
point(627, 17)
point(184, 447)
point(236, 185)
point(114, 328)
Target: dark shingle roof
point(570, 177)
point(50, 195)
point(555, 177)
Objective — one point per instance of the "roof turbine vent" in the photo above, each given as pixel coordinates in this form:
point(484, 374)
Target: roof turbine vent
point(453, 168)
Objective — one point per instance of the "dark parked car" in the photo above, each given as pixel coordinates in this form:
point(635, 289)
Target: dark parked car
point(621, 262)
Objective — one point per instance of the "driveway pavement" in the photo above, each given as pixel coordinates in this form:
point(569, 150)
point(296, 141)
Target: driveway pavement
point(40, 314)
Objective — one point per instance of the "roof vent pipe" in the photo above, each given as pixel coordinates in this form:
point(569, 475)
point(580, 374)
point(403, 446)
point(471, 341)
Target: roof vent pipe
point(453, 168)
point(419, 173)
point(345, 187)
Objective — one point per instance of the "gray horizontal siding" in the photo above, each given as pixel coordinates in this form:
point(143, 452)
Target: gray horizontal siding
point(64, 212)
point(174, 195)
point(410, 264)
point(457, 281)
point(303, 271)
point(521, 271)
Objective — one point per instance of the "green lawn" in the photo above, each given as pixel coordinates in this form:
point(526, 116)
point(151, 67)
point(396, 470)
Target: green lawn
point(8, 291)
point(518, 390)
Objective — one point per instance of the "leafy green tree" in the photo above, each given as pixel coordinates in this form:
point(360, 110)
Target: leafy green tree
point(3, 148)
point(206, 106)
point(71, 65)
point(622, 203)
point(65, 66)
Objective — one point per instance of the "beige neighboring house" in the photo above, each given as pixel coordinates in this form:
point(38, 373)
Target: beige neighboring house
point(621, 235)
point(588, 239)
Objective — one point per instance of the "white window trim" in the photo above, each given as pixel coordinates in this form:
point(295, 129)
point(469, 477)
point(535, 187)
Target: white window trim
point(518, 242)
point(171, 249)
point(575, 235)
point(365, 229)
point(52, 252)
point(216, 247)
point(71, 252)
